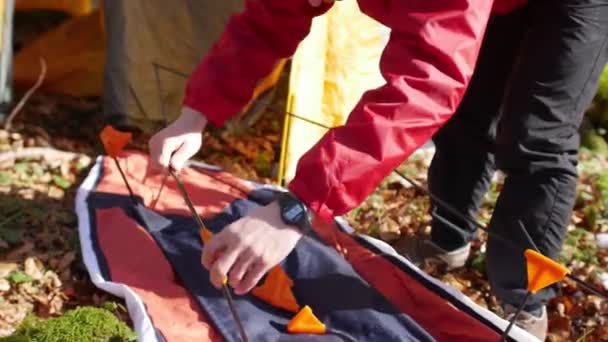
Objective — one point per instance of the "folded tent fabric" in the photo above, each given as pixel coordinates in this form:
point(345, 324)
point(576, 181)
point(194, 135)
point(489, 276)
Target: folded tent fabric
point(351, 287)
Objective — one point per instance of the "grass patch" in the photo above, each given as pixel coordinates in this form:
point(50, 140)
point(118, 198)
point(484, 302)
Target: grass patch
point(80, 324)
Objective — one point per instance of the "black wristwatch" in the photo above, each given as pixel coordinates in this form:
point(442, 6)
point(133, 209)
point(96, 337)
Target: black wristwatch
point(293, 211)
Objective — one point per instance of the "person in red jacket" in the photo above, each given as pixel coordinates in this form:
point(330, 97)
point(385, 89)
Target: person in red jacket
point(498, 85)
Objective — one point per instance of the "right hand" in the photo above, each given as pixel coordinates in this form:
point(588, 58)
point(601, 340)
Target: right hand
point(178, 142)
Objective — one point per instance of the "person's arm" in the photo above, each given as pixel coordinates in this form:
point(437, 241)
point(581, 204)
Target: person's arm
point(252, 42)
point(427, 65)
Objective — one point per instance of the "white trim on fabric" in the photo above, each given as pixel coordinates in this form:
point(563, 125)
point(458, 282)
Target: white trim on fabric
point(141, 321)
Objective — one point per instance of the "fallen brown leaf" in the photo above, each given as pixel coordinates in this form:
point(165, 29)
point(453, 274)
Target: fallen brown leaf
point(56, 305)
point(4, 285)
point(451, 280)
point(6, 268)
point(51, 280)
point(389, 230)
point(560, 328)
point(33, 268)
point(20, 251)
point(55, 192)
point(67, 259)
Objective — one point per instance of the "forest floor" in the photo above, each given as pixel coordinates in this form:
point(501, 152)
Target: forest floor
point(41, 269)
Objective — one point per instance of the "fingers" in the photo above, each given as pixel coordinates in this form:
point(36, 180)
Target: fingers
point(176, 143)
point(240, 268)
point(173, 152)
point(166, 151)
point(189, 148)
point(161, 148)
point(212, 250)
point(220, 266)
point(252, 277)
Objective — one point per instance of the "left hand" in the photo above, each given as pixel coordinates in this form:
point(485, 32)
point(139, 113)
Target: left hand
point(248, 248)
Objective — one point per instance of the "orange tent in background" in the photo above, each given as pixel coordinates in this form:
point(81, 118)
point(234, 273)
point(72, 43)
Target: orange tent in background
point(74, 52)
point(84, 57)
point(72, 7)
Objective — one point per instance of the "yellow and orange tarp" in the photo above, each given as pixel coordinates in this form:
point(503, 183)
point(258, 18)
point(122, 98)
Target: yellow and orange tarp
point(77, 59)
point(330, 70)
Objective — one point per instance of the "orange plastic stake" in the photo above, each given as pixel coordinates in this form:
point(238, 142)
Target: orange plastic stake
point(542, 271)
point(114, 141)
point(276, 290)
point(305, 322)
point(206, 235)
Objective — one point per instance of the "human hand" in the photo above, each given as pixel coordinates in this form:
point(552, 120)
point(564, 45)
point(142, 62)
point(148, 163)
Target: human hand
point(317, 3)
point(248, 248)
point(178, 142)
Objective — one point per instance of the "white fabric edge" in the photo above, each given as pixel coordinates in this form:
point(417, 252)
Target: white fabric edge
point(516, 332)
point(142, 323)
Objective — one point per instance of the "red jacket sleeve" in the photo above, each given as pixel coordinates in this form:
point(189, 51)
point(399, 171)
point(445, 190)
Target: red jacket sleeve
point(252, 42)
point(427, 65)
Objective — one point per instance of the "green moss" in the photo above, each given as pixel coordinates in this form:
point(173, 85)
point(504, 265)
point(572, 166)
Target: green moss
point(602, 185)
point(81, 324)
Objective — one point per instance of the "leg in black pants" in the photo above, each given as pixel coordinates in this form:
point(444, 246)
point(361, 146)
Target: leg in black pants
point(551, 82)
point(463, 164)
point(554, 81)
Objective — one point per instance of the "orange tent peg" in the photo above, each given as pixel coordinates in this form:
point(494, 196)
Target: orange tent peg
point(276, 290)
point(114, 141)
point(305, 322)
point(542, 271)
point(206, 235)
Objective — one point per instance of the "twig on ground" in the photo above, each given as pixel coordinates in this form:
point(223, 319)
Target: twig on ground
point(47, 153)
point(9, 120)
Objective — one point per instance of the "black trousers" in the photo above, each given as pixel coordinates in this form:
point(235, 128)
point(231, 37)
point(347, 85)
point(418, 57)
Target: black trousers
point(537, 73)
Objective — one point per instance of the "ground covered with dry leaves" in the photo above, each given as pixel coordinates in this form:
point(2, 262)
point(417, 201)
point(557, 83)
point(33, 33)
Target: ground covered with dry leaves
point(41, 269)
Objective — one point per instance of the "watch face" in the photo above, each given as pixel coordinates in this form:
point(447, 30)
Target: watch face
point(293, 212)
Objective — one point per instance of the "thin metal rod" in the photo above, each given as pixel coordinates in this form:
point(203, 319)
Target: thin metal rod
point(160, 191)
point(519, 310)
point(182, 190)
point(528, 237)
point(124, 178)
point(201, 225)
point(234, 313)
point(588, 287)
point(314, 123)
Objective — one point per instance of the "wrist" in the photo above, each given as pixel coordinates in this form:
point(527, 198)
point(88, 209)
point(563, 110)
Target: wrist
point(193, 118)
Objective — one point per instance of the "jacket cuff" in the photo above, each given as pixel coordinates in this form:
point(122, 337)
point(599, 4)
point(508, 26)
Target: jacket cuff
point(197, 104)
point(320, 209)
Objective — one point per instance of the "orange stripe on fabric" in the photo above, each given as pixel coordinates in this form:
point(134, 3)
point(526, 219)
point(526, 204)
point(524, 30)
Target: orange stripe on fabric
point(210, 195)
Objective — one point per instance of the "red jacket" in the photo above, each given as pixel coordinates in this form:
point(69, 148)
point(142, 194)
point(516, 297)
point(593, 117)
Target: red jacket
point(427, 65)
